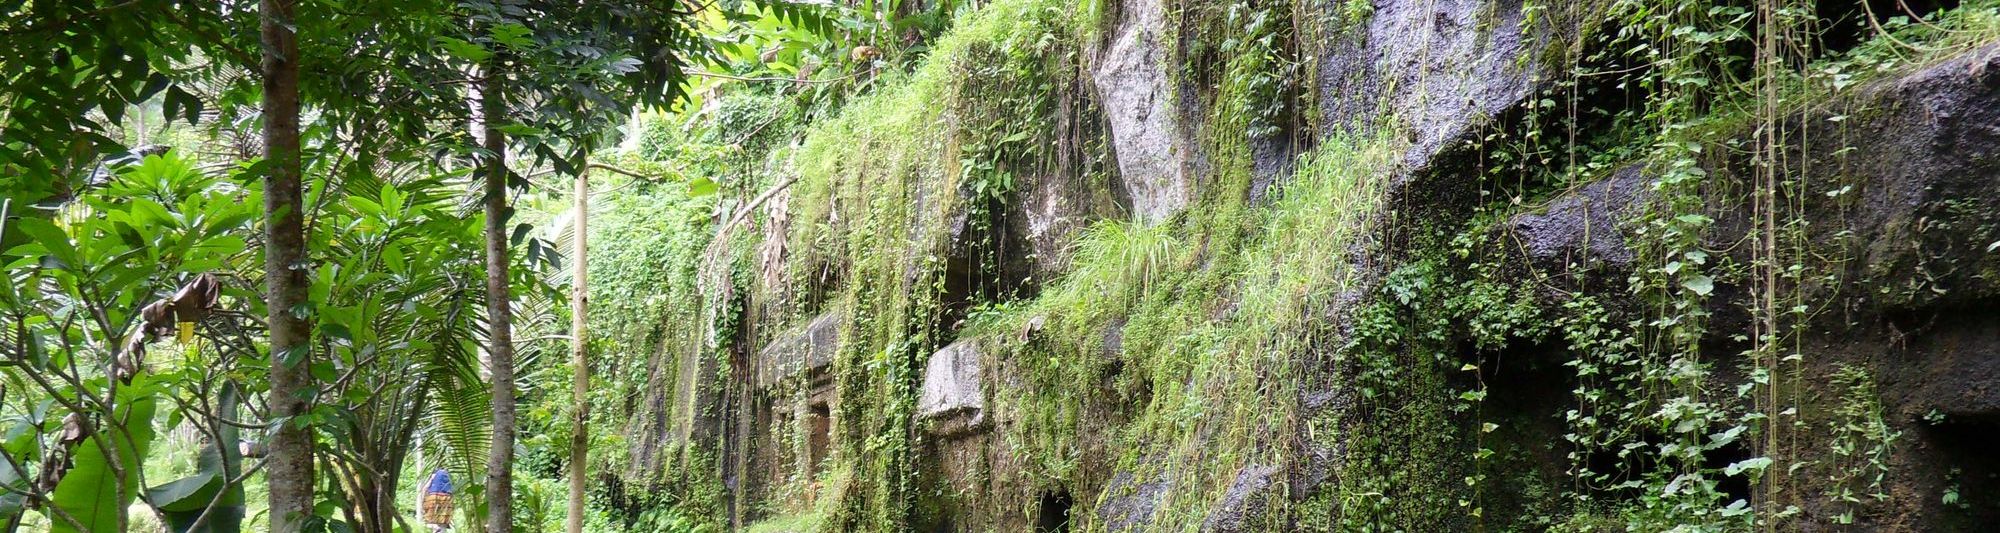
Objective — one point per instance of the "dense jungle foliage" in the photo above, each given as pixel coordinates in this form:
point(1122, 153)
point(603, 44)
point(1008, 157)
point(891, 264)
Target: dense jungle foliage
point(998, 265)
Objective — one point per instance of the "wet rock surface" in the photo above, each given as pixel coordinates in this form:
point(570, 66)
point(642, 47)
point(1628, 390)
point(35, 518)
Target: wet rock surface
point(1439, 68)
point(1129, 502)
point(1896, 190)
point(1904, 180)
point(1589, 226)
point(1245, 507)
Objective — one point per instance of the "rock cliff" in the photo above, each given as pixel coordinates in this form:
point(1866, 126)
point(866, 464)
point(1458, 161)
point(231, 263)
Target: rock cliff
point(1386, 264)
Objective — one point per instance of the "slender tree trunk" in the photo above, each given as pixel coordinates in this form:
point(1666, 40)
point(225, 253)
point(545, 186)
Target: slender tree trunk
point(290, 468)
point(499, 308)
point(579, 441)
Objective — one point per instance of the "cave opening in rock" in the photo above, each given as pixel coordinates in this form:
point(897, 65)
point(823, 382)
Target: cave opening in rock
point(1053, 514)
point(1968, 471)
point(1527, 391)
point(988, 262)
point(1736, 487)
point(1845, 25)
point(1644, 459)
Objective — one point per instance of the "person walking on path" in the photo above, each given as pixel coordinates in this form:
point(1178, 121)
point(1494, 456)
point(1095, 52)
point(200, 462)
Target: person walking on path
point(437, 501)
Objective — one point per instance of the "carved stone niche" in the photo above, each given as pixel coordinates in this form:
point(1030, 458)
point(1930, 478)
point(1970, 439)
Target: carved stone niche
point(799, 361)
point(806, 351)
point(953, 403)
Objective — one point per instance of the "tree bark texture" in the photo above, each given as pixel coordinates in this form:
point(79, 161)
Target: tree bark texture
point(499, 307)
point(290, 468)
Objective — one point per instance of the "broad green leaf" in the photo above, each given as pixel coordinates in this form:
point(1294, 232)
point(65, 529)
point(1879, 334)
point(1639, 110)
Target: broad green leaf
point(12, 501)
point(513, 35)
point(190, 493)
point(183, 501)
point(522, 130)
point(1701, 285)
point(91, 492)
point(466, 50)
point(703, 186)
point(54, 242)
point(1757, 464)
point(393, 257)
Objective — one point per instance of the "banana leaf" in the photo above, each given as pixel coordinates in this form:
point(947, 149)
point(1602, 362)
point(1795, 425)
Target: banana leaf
point(90, 491)
point(181, 502)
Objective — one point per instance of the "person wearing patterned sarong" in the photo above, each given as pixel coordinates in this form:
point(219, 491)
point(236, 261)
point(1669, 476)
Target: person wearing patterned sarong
point(437, 501)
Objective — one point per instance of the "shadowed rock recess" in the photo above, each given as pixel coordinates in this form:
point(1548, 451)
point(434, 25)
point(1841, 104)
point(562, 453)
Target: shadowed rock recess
point(1369, 265)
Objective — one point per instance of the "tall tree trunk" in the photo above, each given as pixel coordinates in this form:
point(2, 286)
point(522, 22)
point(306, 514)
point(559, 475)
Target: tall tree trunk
point(290, 468)
point(579, 441)
point(499, 308)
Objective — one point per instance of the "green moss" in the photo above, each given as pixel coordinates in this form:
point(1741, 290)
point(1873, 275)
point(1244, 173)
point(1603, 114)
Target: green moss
point(1213, 320)
point(879, 188)
point(800, 523)
point(1223, 309)
point(1213, 326)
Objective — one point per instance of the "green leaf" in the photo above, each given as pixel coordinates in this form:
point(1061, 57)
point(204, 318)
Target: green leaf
point(91, 493)
point(513, 35)
point(393, 257)
point(1701, 285)
point(54, 242)
point(522, 130)
point(224, 519)
point(324, 371)
point(12, 499)
point(1754, 464)
point(466, 50)
point(1736, 508)
point(190, 493)
point(336, 330)
point(703, 186)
